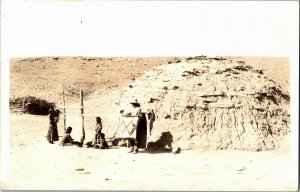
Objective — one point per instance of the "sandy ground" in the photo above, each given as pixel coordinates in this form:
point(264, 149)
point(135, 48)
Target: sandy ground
point(35, 164)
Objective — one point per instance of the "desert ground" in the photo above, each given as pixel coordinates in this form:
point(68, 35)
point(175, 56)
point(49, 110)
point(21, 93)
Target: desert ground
point(36, 164)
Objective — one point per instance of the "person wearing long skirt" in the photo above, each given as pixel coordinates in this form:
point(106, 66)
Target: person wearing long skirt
point(52, 131)
point(135, 112)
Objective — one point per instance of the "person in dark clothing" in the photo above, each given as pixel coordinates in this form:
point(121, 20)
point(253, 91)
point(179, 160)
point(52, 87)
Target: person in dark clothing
point(150, 120)
point(102, 144)
point(56, 115)
point(98, 130)
point(52, 134)
point(67, 140)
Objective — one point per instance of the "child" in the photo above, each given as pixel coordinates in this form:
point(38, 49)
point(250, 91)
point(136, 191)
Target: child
point(98, 130)
point(102, 144)
point(67, 139)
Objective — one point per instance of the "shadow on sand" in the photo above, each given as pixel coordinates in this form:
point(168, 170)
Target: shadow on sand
point(162, 145)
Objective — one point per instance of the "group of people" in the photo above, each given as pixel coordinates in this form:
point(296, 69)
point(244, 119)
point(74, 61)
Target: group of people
point(99, 141)
point(67, 140)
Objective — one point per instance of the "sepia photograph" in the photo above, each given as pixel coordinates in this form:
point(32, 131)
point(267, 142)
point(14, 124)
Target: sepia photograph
point(149, 96)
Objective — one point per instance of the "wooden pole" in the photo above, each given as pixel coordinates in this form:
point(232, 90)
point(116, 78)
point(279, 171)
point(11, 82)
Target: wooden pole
point(23, 103)
point(148, 130)
point(147, 139)
point(64, 108)
point(83, 132)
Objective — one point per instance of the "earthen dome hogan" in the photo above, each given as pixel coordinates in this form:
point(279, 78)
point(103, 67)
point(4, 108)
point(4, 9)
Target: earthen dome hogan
point(213, 104)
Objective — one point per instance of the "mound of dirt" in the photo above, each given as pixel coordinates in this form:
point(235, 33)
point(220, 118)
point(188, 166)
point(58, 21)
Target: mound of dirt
point(208, 103)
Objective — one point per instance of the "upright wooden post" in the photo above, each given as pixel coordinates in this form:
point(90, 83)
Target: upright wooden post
point(64, 108)
point(148, 134)
point(81, 104)
point(23, 103)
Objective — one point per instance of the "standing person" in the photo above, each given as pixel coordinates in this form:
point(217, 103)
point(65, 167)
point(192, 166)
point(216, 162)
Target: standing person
point(52, 131)
point(67, 140)
point(150, 120)
point(135, 112)
point(98, 130)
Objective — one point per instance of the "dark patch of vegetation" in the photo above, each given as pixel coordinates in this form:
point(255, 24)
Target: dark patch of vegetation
point(31, 105)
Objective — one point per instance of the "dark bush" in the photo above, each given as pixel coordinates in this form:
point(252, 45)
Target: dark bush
point(31, 105)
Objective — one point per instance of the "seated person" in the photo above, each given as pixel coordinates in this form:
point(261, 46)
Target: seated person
point(67, 140)
point(101, 144)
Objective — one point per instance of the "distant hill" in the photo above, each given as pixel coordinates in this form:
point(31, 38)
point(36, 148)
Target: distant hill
point(43, 77)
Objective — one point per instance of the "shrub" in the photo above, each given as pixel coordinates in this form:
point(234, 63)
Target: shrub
point(31, 105)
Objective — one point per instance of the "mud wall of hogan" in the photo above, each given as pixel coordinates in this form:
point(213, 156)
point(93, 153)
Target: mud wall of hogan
point(213, 104)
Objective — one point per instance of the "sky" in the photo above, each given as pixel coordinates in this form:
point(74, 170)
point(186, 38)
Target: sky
point(159, 28)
